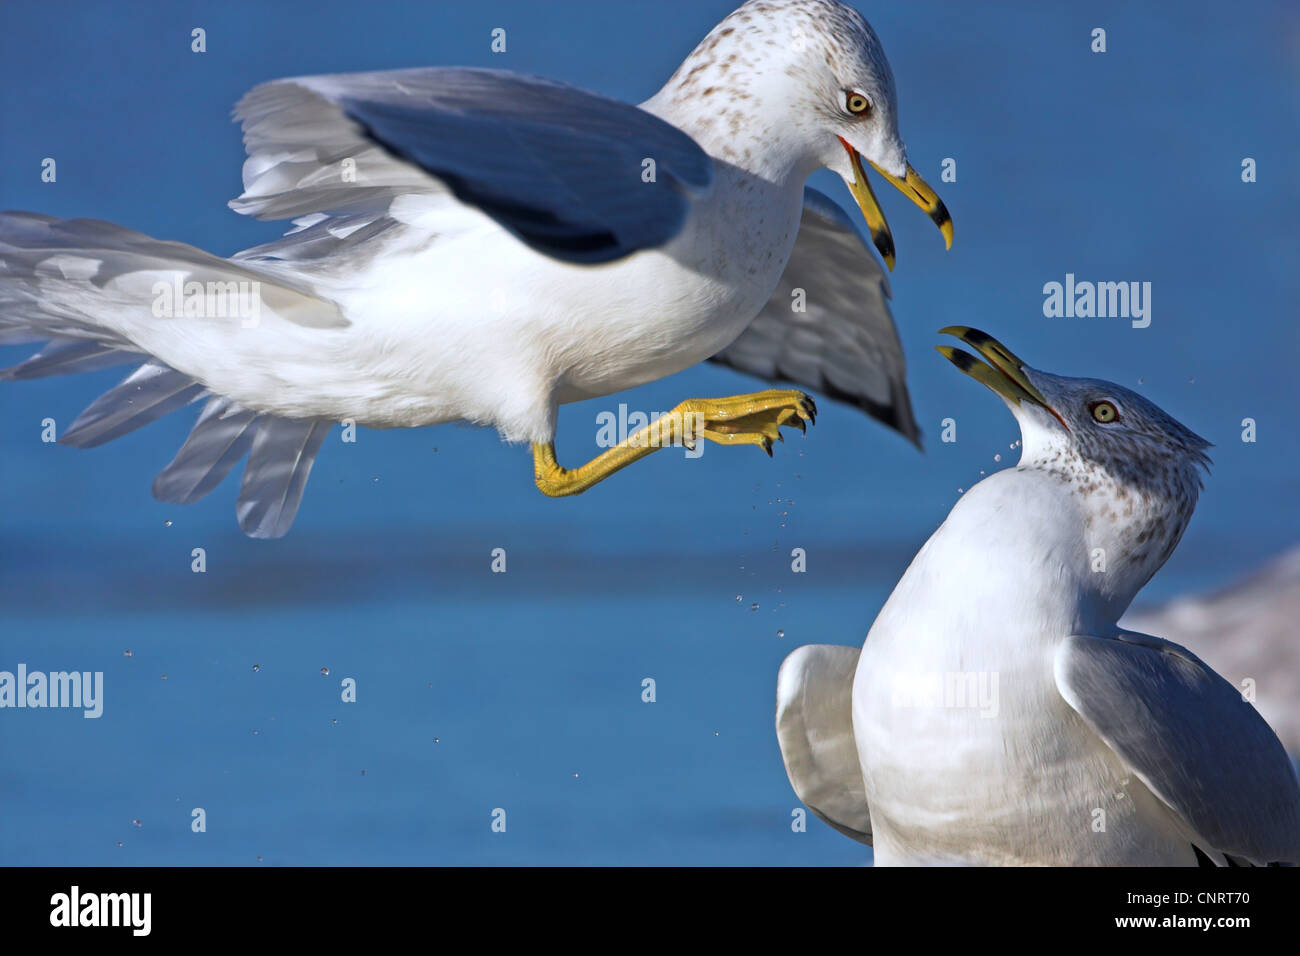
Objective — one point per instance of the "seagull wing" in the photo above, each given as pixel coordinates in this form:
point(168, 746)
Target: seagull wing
point(576, 176)
point(1190, 737)
point(844, 342)
point(814, 726)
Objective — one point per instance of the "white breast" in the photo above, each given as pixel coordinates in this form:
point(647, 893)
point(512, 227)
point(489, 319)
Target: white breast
point(968, 751)
point(451, 318)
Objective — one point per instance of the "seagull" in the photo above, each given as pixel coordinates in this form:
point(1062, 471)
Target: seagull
point(483, 246)
point(997, 714)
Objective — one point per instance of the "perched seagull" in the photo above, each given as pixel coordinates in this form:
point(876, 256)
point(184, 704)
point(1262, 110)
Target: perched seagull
point(483, 246)
point(997, 713)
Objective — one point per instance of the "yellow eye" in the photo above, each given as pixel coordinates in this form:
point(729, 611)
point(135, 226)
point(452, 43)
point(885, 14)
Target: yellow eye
point(857, 103)
point(1104, 412)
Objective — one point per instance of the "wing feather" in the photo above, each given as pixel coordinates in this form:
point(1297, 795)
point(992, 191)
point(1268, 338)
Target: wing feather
point(814, 726)
point(1191, 738)
point(844, 342)
point(561, 168)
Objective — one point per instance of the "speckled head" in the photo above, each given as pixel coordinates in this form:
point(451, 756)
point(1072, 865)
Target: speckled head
point(784, 87)
point(1136, 471)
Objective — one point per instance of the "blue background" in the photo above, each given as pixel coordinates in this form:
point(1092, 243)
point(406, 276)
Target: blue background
point(523, 690)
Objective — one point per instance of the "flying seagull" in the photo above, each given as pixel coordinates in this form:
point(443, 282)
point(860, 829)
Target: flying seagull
point(997, 713)
point(478, 245)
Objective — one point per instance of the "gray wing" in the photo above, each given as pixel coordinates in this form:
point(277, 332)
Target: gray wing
point(814, 726)
point(1244, 630)
point(563, 169)
point(1190, 737)
point(844, 344)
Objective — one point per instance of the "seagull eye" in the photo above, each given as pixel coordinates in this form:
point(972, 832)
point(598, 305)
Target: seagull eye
point(857, 103)
point(1104, 412)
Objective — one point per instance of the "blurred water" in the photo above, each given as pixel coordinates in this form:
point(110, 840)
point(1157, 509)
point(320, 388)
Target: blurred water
point(1114, 167)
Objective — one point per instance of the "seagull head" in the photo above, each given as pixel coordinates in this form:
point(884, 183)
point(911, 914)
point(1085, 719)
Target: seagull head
point(1135, 471)
point(853, 100)
point(808, 81)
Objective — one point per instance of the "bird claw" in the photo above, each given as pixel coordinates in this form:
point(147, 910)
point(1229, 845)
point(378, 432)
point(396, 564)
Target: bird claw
point(762, 426)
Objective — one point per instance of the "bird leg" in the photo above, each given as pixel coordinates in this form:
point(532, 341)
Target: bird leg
point(753, 419)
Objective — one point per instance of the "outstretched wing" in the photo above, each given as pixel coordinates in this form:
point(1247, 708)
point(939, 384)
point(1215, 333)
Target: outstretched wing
point(574, 175)
point(844, 342)
point(1191, 738)
point(814, 726)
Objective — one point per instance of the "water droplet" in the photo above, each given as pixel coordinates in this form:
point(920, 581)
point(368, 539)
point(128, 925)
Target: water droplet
point(259, 859)
point(334, 720)
point(375, 479)
point(167, 524)
point(737, 598)
point(257, 733)
point(324, 672)
point(136, 823)
point(119, 843)
point(257, 667)
point(780, 633)
point(363, 773)
point(437, 740)
point(715, 733)
point(754, 606)
point(164, 677)
point(997, 457)
point(128, 653)
point(575, 775)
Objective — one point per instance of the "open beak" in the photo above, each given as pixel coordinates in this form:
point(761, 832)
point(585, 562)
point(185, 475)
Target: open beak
point(912, 186)
point(1005, 372)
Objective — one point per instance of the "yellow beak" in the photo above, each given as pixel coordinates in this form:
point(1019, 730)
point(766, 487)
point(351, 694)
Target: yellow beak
point(1004, 372)
point(912, 186)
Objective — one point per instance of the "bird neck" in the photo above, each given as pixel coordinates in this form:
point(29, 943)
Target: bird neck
point(1128, 530)
point(737, 95)
point(768, 152)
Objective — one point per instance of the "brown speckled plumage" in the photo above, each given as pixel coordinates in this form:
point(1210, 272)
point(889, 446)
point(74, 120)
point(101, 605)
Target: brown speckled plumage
point(831, 46)
point(1139, 475)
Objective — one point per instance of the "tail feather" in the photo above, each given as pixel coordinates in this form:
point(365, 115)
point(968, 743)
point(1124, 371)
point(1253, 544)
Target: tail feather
point(144, 396)
point(67, 357)
point(81, 286)
point(276, 475)
point(219, 439)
